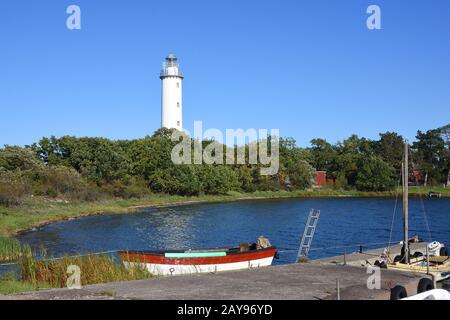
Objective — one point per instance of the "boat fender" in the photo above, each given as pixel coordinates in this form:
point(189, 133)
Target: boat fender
point(398, 293)
point(417, 254)
point(434, 248)
point(397, 259)
point(424, 285)
point(277, 256)
point(443, 252)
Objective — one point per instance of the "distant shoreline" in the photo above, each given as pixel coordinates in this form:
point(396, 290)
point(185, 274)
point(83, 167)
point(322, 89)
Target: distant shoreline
point(40, 211)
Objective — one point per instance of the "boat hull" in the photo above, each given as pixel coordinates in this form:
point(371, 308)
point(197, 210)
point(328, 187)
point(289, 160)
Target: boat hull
point(161, 265)
point(419, 265)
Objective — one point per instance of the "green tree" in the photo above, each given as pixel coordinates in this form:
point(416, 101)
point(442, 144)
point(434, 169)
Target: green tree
point(300, 174)
point(375, 175)
point(17, 158)
point(390, 149)
point(445, 133)
point(350, 154)
point(431, 155)
point(323, 155)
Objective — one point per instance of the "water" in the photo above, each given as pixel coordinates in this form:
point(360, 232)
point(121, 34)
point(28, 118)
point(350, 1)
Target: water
point(345, 223)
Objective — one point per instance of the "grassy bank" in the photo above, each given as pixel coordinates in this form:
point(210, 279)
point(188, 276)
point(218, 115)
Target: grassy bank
point(41, 274)
point(38, 211)
point(93, 269)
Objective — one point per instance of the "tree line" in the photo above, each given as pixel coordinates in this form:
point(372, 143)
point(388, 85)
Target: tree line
point(91, 168)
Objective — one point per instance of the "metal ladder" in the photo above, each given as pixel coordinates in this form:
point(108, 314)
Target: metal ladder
point(308, 234)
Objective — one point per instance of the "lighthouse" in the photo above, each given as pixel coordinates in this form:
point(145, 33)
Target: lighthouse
point(171, 96)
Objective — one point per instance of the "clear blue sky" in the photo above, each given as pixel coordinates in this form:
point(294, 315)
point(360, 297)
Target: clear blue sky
point(310, 68)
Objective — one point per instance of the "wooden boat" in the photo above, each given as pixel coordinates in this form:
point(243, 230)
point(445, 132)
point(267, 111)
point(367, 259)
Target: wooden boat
point(437, 266)
point(179, 262)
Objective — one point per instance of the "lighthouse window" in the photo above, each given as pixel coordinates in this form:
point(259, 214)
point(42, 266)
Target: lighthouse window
point(178, 104)
point(178, 123)
point(178, 84)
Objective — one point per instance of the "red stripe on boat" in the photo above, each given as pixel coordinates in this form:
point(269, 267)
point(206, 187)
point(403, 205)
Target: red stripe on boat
point(230, 258)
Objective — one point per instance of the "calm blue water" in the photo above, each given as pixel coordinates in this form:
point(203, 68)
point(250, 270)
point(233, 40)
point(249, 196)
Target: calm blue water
point(344, 222)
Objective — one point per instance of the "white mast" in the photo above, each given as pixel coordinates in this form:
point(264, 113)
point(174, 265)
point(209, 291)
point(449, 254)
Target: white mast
point(171, 96)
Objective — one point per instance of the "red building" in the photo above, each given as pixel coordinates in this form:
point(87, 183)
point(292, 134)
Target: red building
point(320, 178)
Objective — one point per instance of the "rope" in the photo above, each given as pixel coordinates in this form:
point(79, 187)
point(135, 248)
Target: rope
point(280, 251)
point(8, 264)
point(393, 217)
point(422, 204)
point(65, 257)
point(430, 239)
point(84, 255)
point(342, 247)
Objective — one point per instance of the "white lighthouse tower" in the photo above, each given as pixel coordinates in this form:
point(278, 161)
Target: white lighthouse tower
point(171, 99)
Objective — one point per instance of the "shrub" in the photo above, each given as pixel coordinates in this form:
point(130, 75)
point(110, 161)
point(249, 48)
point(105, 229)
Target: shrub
point(217, 179)
point(17, 158)
point(375, 175)
point(90, 193)
point(12, 193)
point(300, 174)
point(180, 180)
point(128, 189)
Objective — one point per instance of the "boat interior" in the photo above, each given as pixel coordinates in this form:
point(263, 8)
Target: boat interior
point(242, 248)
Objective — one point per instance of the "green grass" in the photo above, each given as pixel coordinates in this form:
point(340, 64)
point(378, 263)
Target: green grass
point(15, 286)
point(426, 190)
point(10, 285)
point(11, 250)
point(37, 211)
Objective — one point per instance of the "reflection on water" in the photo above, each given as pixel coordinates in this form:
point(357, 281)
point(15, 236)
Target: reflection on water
point(343, 222)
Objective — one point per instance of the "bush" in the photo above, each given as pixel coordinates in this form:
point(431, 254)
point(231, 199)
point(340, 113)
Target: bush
point(90, 193)
point(301, 174)
point(245, 178)
point(57, 181)
point(60, 180)
point(217, 179)
point(12, 193)
point(375, 175)
point(181, 180)
point(131, 189)
point(17, 158)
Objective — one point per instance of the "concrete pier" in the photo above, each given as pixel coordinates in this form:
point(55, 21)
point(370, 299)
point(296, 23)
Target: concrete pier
point(307, 281)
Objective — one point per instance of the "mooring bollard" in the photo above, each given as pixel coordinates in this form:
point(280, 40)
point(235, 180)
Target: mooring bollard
point(345, 258)
point(338, 290)
point(360, 249)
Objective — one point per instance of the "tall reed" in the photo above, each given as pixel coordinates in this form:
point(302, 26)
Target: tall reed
point(94, 269)
point(12, 250)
